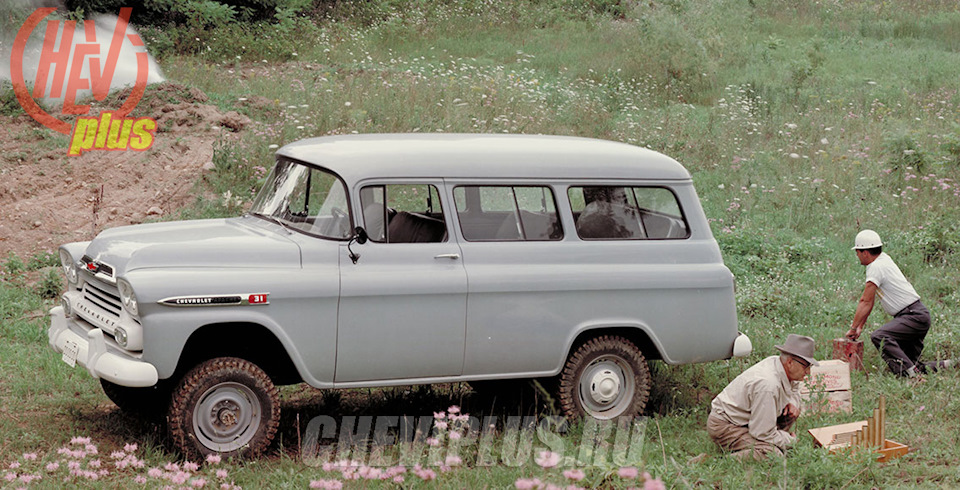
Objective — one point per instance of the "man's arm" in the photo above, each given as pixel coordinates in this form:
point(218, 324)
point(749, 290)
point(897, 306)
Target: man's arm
point(763, 421)
point(864, 307)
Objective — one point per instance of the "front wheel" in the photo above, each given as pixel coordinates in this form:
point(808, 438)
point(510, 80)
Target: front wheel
point(224, 406)
point(605, 378)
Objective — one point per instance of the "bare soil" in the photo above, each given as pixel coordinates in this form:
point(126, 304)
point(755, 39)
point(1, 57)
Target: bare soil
point(48, 198)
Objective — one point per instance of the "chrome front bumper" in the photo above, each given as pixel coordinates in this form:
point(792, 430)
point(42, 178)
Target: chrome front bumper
point(90, 351)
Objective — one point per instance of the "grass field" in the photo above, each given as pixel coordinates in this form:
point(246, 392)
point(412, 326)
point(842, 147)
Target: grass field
point(801, 123)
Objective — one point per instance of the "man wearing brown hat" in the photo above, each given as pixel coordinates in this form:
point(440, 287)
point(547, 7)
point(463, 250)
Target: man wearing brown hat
point(753, 415)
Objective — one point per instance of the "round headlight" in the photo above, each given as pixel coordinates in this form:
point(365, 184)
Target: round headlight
point(69, 266)
point(127, 297)
point(121, 336)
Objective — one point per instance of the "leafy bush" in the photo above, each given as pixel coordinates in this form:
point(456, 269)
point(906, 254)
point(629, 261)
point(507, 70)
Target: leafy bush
point(903, 152)
point(9, 105)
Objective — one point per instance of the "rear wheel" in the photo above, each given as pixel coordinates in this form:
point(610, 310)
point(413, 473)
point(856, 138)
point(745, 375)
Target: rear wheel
point(224, 406)
point(605, 378)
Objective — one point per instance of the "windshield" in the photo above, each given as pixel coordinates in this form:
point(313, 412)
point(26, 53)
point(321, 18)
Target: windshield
point(305, 198)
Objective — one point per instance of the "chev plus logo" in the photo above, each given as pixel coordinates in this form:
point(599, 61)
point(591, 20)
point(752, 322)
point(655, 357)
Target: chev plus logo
point(78, 47)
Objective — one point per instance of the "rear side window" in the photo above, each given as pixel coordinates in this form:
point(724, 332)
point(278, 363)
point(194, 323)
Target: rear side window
point(507, 213)
point(627, 213)
point(403, 213)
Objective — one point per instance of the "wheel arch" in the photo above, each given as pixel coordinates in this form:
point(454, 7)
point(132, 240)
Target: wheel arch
point(638, 335)
point(245, 340)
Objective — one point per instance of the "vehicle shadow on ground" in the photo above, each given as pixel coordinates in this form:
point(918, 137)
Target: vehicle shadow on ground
point(421, 404)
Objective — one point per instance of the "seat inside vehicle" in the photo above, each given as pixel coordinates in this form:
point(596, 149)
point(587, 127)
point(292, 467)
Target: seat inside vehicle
point(408, 227)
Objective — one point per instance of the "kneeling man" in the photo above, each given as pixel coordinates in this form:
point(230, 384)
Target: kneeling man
point(753, 415)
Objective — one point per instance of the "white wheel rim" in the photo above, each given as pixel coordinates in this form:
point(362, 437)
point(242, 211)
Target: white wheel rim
point(606, 387)
point(227, 417)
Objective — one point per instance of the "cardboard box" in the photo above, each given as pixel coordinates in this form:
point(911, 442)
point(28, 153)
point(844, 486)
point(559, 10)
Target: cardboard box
point(827, 388)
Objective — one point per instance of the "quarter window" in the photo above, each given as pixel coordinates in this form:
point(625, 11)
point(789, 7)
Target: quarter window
point(507, 213)
point(627, 213)
point(403, 213)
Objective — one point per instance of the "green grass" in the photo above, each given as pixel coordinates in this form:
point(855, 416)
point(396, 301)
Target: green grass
point(801, 122)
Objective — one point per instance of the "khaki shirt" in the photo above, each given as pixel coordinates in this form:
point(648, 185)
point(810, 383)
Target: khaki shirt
point(756, 398)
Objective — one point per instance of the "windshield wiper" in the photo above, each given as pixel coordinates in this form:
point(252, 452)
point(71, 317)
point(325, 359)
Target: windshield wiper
point(274, 219)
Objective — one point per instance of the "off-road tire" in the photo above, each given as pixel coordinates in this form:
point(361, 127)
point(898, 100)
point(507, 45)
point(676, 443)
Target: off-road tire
point(225, 406)
point(146, 403)
point(604, 378)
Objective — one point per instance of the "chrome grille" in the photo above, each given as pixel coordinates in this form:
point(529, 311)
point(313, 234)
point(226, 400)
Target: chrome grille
point(107, 298)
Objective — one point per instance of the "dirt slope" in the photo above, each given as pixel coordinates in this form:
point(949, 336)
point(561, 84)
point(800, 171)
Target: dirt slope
point(48, 198)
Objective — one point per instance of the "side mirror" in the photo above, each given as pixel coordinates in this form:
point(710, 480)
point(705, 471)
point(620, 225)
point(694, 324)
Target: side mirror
point(360, 235)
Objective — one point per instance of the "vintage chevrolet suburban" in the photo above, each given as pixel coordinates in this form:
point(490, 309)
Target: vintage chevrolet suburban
point(375, 260)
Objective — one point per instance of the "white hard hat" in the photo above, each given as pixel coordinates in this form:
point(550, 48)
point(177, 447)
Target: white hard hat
point(867, 239)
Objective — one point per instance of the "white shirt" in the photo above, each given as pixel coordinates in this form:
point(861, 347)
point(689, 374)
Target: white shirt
point(896, 293)
point(756, 398)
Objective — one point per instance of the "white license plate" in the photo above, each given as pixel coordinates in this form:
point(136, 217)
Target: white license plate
point(70, 352)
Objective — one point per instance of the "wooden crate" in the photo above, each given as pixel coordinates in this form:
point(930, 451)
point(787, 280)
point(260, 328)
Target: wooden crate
point(824, 437)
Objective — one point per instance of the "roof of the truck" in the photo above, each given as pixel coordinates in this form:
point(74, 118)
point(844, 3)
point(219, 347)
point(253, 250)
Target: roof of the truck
point(470, 156)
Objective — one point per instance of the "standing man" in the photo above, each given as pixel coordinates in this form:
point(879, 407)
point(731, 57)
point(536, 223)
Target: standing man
point(899, 341)
point(753, 415)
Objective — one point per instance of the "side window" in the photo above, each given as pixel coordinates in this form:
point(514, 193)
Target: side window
point(627, 213)
point(507, 213)
point(403, 213)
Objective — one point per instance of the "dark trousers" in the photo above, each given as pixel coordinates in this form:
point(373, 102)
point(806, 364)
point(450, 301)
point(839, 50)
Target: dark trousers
point(900, 341)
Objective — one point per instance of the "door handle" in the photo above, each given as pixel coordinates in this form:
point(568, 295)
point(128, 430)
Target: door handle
point(447, 256)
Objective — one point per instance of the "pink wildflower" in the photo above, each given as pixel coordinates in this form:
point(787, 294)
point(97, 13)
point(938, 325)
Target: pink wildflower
point(523, 484)
point(548, 459)
point(154, 473)
point(398, 479)
point(14, 465)
point(441, 425)
point(439, 415)
point(455, 436)
point(53, 466)
point(29, 456)
point(80, 440)
point(628, 472)
point(327, 484)
point(130, 447)
point(91, 449)
point(575, 475)
point(171, 467)
point(190, 466)
point(213, 459)
point(140, 479)
point(453, 460)
point(453, 409)
point(118, 455)
point(198, 483)
point(10, 476)
point(654, 484)
point(433, 441)
point(28, 479)
point(222, 474)
point(94, 464)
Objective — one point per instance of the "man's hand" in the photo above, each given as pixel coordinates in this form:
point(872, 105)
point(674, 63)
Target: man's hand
point(854, 333)
point(787, 417)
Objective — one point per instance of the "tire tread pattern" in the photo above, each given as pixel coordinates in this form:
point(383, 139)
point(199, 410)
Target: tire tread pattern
point(203, 377)
point(581, 357)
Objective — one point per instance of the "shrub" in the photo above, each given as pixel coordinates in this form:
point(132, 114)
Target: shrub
point(903, 152)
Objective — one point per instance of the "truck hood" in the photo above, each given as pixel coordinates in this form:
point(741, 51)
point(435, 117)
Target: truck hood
point(201, 243)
